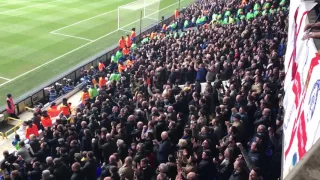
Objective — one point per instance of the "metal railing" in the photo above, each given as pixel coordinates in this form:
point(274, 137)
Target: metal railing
point(1, 134)
point(14, 128)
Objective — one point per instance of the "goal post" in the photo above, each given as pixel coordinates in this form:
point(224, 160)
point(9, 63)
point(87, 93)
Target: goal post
point(140, 13)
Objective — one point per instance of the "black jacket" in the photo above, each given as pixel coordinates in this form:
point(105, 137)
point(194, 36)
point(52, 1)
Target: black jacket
point(79, 175)
point(90, 169)
point(139, 156)
point(108, 149)
point(163, 151)
point(206, 170)
point(225, 169)
point(35, 145)
point(129, 127)
point(61, 172)
point(86, 143)
point(73, 151)
point(105, 170)
point(146, 173)
point(41, 155)
point(123, 152)
point(173, 135)
point(35, 174)
point(159, 128)
point(239, 176)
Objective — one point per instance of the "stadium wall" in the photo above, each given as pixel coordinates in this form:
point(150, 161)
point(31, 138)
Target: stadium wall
point(302, 85)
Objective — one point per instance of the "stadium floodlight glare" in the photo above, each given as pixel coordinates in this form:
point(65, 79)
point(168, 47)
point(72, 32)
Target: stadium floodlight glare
point(140, 13)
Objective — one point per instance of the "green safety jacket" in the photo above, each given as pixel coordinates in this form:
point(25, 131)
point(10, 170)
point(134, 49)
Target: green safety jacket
point(227, 13)
point(231, 20)
point(93, 92)
point(249, 16)
point(256, 13)
point(239, 11)
point(114, 77)
point(119, 55)
point(114, 59)
point(186, 23)
point(256, 7)
point(134, 46)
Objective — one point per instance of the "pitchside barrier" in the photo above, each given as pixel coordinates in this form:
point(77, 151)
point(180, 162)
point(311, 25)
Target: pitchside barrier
point(39, 95)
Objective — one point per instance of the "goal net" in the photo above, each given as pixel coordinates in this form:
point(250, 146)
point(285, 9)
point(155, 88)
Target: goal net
point(140, 13)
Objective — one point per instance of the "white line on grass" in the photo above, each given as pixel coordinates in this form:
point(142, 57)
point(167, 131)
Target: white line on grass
point(66, 35)
point(13, 3)
point(67, 53)
point(4, 78)
point(84, 20)
point(27, 7)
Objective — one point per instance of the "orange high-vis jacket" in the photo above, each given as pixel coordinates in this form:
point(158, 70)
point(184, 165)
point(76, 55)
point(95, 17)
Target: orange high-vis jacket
point(33, 130)
point(129, 63)
point(153, 34)
point(84, 97)
point(53, 111)
point(101, 66)
point(128, 41)
point(164, 27)
point(125, 51)
point(46, 121)
point(65, 109)
point(176, 13)
point(94, 81)
point(102, 82)
point(122, 43)
point(133, 34)
point(121, 68)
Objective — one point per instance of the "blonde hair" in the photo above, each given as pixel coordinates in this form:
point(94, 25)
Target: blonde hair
point(182, 143)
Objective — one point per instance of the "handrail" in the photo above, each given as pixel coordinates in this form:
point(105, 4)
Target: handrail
point(1, 134)
point(14, 119)
point(14, 129)
point(29, 109)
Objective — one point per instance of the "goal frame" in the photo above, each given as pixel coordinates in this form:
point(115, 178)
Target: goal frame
point(143, 11)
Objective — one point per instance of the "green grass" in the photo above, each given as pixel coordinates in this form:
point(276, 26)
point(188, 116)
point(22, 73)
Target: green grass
point(26, 41)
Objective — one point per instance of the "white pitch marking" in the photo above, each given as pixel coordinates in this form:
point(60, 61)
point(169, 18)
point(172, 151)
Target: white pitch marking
point(84, 20)
point(13, 3)
point(26, 7)
point(66, 35)
point(4, 78)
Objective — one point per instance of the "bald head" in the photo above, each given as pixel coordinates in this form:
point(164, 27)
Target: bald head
point(49, 160)
point(128, 160)
point(192, 176)
point(75, 167)
point(112, 159)
point(164, 135)
point(107, 178)
point(108, 136)
point(140, 125)
point(131, 118)
point(83, 124)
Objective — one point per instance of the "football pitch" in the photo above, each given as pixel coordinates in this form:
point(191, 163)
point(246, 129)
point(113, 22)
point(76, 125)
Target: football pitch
point(41, 39)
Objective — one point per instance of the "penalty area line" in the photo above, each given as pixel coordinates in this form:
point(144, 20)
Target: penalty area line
point(66, 35)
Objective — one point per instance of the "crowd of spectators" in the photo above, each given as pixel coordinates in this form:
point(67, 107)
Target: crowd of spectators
point(143, 125)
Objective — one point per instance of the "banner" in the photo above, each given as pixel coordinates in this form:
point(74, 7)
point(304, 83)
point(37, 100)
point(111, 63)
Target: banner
point(302, 86)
